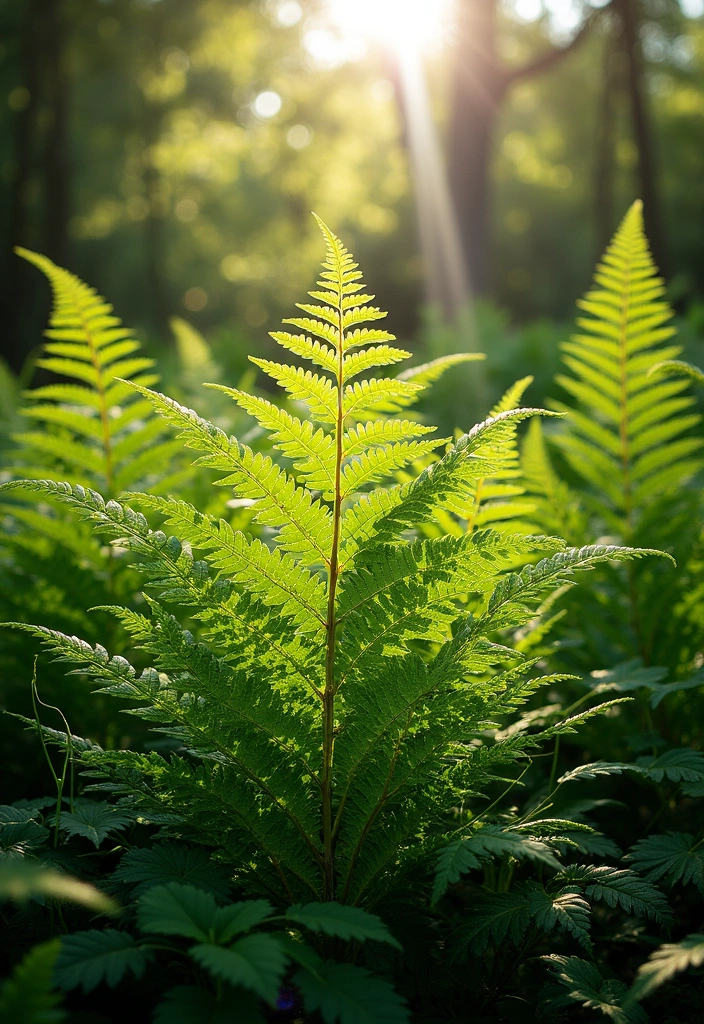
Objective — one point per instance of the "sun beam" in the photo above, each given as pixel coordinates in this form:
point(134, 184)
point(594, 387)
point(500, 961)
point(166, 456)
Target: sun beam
point(404, 24)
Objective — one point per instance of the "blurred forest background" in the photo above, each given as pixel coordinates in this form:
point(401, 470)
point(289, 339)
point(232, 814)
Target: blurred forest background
point(169, 153)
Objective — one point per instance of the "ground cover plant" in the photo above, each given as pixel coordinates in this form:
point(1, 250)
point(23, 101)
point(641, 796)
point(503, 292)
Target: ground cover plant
point(362, 703)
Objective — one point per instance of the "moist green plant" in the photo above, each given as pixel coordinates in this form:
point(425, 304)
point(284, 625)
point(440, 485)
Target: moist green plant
point(333, 707)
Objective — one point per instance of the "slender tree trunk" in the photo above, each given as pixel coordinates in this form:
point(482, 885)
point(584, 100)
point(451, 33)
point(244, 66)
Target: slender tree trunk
point(18, 279)
point(604, 164)
point(478, 88)
point(642, 129)
point(56, 158)
point(152, 115)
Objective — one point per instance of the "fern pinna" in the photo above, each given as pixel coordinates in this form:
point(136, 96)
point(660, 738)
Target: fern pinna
point(331, 697)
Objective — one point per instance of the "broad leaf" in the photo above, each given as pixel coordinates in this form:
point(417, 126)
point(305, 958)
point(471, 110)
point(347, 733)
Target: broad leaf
point(89, 958)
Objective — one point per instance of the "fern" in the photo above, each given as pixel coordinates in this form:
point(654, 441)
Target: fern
point(629, 442)
point(95, 430)
point(325, 687)
point(509, 915)
point(628, 436)
point(585, 984)
point(673, 857)
point(666, 962)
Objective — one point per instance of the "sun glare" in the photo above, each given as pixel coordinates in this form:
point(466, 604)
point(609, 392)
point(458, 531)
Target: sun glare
point(405, 24)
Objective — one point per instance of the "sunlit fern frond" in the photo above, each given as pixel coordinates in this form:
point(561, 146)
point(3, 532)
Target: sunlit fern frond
point(91, 427)
point(628, 436)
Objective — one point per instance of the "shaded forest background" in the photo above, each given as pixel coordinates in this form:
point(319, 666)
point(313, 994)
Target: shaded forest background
point(169, 152)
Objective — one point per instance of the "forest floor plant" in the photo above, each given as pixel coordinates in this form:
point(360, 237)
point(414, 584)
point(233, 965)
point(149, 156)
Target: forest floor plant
point(334, 690)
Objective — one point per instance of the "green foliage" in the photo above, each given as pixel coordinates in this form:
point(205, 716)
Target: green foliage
point(666, 962)
point(89, 958)
point(228, 950)
point(619, 887)
point(490, 841)
point(346, 994)
point(94, 820)
point(673, 857)
point(170, 862)
point(94, 429)
point(28, 996)
point(586, 985)
point(626, 436)
point(334, 672)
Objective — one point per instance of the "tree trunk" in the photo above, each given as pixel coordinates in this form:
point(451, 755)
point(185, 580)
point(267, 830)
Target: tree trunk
point(604, 164)
point(56, 159)
point(642, 129)
point(18, 281)
point(478, 88)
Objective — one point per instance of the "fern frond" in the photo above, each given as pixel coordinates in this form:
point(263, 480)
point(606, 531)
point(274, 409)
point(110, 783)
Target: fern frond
point(508, 915)
point(673, 857)
point(430, 373)
point(86, 432)
point(303, 386)
point(446, 484)
point(305, 526)
point(277, 579)
point(618, 887)
point(586, 985)
point(313, 449)
point(307, 348)
point(624, 439)
point(667, 961)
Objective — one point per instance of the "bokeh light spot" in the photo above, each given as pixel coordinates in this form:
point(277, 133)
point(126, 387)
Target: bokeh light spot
point(195, 299)
point(299, 136)
point(186, 209)
point(267, 104)
point(289, 13)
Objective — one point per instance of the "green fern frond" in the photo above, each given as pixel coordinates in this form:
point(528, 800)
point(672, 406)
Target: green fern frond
point(94, 430)
point(666, 962)
point(586, 985)
point(628, 436)
point(673, 857)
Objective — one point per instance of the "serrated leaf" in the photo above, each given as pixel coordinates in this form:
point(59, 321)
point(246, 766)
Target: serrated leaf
point(176, 909)
point(341, 922)
point(619, 887)
point(89, 958)
point(257, 963)
point(94, 821)
point(673, 857)
point(171, 862)
point(490, 841)
point(676, 765)
point(595, 770)
point(586, 985)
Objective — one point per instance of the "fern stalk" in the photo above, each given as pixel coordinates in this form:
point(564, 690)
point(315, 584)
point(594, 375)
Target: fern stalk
point(331, 619)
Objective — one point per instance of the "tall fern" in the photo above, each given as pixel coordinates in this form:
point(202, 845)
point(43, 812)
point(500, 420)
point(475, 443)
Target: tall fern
point(629, 434)
point(323, 712)
point(632, 453)
point(92, 426)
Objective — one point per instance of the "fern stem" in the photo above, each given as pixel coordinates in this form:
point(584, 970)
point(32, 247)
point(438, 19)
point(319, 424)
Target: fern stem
point(330, 627)
point(100, 388)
